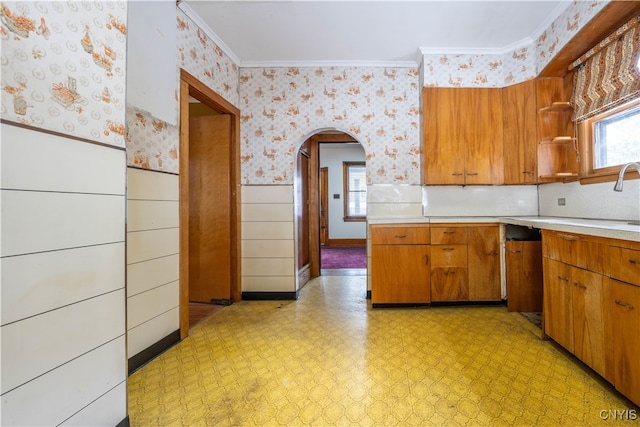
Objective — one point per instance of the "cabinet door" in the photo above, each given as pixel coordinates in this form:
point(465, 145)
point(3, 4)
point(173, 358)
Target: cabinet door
point(484, 263)
point(558, 310)
point(449, 284)
point(589, 318)
point(400, 274)
point(447, 113)
point(520, 133)
point(625, 315)
point(483, 159)
point(524, 276)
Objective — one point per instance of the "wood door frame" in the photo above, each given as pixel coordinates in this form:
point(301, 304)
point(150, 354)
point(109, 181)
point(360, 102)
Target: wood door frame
point(324, 200)
point(313, 148)
point(191, 86)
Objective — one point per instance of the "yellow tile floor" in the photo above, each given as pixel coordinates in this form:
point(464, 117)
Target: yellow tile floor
point(330, 359)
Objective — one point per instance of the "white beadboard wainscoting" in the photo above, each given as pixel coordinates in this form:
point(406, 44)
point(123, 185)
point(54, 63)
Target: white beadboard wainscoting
point(153, 270)
point(268, 245)
point(62, 280)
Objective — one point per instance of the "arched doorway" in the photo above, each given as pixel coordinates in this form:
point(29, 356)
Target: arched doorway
point(309, 205)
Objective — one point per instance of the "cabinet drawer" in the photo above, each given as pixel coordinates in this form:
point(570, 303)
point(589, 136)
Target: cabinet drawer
point(449, 235)
point(449, 256)
point(399, 235)
point(625, 264)
point(557, 246)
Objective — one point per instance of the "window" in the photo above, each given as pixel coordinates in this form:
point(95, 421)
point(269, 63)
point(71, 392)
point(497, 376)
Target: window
point(616, 138)
point(611, 139)
point(355, 191)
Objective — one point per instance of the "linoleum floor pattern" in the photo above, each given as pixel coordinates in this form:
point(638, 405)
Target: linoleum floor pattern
point(329, 359)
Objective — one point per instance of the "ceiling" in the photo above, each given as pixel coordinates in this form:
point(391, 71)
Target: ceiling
point(302, 32)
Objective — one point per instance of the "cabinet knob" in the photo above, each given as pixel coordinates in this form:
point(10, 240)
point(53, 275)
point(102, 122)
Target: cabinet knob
point(448, 232)
point(400, 236)
point(448, 249)
point(633, 261)
point(629, 306)
point(564, 279)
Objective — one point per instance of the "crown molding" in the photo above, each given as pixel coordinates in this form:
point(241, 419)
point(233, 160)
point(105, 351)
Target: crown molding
point(316, 64)
point(191, 14)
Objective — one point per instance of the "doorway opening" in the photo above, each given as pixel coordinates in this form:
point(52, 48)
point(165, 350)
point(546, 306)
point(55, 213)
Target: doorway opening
point(334, 233)
point(209, 201)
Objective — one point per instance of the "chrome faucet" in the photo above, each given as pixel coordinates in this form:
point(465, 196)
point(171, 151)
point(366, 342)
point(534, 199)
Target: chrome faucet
point(618, 186)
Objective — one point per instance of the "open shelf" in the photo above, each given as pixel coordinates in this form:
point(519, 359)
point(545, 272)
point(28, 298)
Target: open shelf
point(558, 140)
point(557, 106)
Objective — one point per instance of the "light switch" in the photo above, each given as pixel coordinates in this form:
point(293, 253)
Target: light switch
point(336, 196)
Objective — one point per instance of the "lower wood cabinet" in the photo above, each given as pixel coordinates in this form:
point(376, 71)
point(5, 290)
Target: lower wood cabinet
point(465, 262)
point(524, 275)
point(400, 265)
point(625, 316)
point(592, 304)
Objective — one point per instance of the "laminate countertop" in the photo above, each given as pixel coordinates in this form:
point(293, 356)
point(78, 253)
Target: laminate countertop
point(614, 229)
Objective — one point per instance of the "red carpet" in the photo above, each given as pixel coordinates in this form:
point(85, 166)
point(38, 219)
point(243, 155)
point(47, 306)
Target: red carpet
point(335, 257)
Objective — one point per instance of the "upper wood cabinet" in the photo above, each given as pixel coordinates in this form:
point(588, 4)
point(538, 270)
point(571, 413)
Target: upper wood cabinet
point(520, 133)
point(463, 137)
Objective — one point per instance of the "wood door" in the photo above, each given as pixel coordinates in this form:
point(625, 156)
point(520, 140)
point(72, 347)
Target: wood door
point(446, 121)
point(520, 133)
point(625, 316)
point(524, 276)
point(324, 206)
point(483, 158)
point(210, 209)
point(449, 284)
point(484, 263)
point(589, 318)
point(400, 274)
point(302, 210)
point(558, 310)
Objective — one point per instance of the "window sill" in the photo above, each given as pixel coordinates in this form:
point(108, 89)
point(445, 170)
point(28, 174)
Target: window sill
point(607, 177)
point(354, 218)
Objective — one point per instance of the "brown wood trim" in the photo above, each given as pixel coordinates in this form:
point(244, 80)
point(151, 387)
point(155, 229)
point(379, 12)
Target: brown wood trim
point(184, 208)
point(198, 90)
point(191, 86)
point(345, 192)
point(610, 18)
point(61, 135)
point(346, 242)
point(314, 207)
point(608, 177)
point(333, 138)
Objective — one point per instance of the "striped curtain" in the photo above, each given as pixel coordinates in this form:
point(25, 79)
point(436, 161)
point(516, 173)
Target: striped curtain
point(608, 74)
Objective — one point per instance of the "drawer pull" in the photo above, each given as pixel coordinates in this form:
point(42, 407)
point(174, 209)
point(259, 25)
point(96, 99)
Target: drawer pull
point(564, 279)
point(516, 252)
point(629, 306)
point(494, 253)
point(457, 174)
point(400, 236)
point(448, 249)
point(446, 273)
point(527, 171)
point(472, 174)
point(633, 261)
point(581, 286)
point(426, 260)
point(448, 232)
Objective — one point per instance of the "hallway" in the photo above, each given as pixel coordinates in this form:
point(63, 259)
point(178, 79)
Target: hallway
point(330, 359)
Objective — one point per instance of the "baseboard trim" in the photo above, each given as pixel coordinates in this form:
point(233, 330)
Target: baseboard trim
point(368, 294)
point(346, 242)
point(400, 305)
point(269, 296)
point(472, 303)
point(154, 350)
point(124, 422)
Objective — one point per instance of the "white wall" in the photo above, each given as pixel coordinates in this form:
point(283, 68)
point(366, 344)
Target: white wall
point(62, 281)
point(152, 258)
point(597, 201)
point(331, 157)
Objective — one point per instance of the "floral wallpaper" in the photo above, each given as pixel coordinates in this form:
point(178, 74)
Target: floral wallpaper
point(281, 107)
point(154, 144)
point(516, 65)
point(63, 67)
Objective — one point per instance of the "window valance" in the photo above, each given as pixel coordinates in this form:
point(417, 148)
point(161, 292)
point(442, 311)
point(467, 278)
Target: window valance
point(608, 74)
